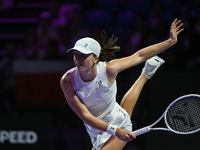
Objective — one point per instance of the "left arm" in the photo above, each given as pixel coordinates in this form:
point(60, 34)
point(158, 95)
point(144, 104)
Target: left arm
point(118, 65)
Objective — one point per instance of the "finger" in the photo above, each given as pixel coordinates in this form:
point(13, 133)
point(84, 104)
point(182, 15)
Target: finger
point(178, 22)
point(133, 136)
point(174, 21)
point(128, 137)
point(173, 26)
point(180, 31)
point(125, 139)
point(179, 26)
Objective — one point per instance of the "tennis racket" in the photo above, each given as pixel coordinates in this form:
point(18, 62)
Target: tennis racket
point(182, 116)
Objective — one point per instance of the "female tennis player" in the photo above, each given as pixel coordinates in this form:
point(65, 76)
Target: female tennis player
point(90, 88)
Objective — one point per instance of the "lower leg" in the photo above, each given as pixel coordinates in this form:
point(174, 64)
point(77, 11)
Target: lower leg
point(130, 98)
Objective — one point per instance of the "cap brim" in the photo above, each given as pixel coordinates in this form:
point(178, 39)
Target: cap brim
point(80, 49)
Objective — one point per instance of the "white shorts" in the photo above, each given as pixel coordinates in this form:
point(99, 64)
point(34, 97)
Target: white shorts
point(119, 117)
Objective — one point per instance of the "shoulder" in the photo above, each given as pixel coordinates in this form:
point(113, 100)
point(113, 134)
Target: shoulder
point(65, 79)
point(112, 67)
point(66, 85)
point(111, 71)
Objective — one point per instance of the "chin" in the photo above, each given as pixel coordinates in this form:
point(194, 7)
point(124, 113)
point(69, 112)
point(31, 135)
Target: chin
point(80, 68)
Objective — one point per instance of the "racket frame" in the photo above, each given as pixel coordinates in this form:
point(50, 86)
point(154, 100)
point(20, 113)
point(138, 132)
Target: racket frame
point(164, 115)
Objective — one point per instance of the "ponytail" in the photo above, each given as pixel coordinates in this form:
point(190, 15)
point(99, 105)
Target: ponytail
point(108, 48)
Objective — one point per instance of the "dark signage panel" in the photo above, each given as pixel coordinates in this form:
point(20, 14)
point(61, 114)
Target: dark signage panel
point(27, 131)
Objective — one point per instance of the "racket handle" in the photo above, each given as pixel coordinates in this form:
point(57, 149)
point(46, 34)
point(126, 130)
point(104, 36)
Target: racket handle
point(141, 131)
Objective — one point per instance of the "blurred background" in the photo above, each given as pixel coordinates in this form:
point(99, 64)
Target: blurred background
point(34, 37)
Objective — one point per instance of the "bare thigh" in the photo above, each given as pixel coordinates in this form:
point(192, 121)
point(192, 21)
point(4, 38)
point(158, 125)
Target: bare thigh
point(114, 144)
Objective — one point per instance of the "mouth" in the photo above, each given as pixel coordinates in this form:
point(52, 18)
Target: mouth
point(79, 65)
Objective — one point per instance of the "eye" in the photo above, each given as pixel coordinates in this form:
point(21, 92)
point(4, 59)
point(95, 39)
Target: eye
point(80, 55)
point(84, 55)
point(76, 54)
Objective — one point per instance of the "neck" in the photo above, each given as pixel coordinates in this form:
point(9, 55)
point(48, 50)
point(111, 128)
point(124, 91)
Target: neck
point(90, 74)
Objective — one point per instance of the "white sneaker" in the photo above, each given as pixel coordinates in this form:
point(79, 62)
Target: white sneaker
point(151, 65)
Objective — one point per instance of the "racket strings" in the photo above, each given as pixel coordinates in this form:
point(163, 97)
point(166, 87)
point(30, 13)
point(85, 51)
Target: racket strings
point(184, 115)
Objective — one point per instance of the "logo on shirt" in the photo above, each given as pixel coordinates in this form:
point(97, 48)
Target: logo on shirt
point(100, 84)
point(79, 90)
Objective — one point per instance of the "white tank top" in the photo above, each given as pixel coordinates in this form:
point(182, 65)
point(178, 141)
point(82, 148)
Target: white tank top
point(98, 95)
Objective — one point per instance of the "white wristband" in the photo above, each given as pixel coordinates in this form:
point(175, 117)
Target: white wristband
point(111, 129)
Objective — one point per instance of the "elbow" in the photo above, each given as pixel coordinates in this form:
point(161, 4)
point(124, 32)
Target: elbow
point(87, 118)
point(143, 56)
point(140, 57)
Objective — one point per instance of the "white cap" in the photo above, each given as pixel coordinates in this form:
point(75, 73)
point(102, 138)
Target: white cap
point(87, 46)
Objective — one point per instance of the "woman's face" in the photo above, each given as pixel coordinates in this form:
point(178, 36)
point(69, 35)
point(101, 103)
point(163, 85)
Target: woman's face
point(84, 62)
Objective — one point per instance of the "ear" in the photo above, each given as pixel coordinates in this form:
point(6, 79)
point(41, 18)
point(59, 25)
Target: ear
point(96, 59)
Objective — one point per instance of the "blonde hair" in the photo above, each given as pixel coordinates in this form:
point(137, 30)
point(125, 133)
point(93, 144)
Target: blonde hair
point(108, 48)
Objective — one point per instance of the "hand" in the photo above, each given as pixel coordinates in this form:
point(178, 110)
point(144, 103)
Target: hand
point(176, 29)
point(125, 135)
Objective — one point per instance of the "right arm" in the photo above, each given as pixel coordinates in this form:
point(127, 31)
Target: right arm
point(83, 113)
point(78, 107)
